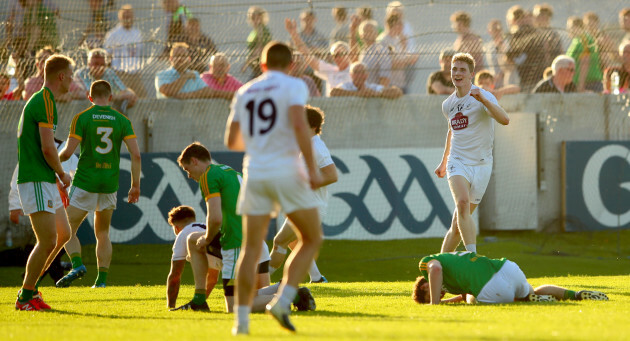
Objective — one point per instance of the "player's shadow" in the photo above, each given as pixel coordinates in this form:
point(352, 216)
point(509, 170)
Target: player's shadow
point(199, 316)
point(329, 313)
point(107, 299)
point(345, 292)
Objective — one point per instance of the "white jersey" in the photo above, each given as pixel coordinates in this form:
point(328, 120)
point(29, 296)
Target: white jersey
point(323, 159)
point(332, 75)
point(262, 109)
point(180, 246)
point(472, 128)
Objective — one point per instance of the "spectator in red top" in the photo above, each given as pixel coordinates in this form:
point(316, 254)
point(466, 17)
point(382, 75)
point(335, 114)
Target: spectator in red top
point(35, 82)
point(218, 77)
point(5, 82)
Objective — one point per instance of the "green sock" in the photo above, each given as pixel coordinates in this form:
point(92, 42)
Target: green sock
point(37, 284)
point(76, 260)
point(296, 300)
point(569, 294)
point(102, 276)
point(200, 296)
point(25, 295)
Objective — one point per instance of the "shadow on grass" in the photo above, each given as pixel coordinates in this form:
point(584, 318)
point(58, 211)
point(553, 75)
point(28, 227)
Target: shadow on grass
point(198, 316)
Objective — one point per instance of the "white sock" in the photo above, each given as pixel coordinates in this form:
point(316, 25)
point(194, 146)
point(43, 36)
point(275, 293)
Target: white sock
point(314, 273)
point(242, 315)
point(272, 270)
point(270, 290)
point(471, 248)
point(286, 296)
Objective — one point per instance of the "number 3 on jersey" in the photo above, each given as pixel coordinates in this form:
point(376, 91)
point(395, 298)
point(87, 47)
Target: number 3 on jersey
point(263, 115)
point(105, 132)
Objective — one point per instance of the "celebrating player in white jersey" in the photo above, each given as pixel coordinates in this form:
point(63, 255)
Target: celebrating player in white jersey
point(467, 159)
point(286, 236)
point(268, 121)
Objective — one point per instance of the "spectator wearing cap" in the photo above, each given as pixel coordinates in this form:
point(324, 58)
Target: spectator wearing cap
point(440, 82)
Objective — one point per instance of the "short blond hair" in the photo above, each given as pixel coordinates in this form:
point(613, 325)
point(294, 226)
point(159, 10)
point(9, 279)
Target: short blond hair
point(466, 58)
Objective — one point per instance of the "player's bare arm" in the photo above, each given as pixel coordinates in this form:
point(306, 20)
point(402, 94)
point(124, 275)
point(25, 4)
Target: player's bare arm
point(440, 171)
point(68, 149)
point(49, 150)
point(214, 219)
point(434, 268)
point(172, 282)
point(329, 174)
point(233, 138)
point(136, 169)
point(297, 117)
point(494, 110)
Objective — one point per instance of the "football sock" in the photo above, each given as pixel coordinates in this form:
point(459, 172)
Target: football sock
point(471, 248)
point(25, 295)
point(102, 275)
point(314, 273)
point(200, 296)
point(569, 295)
point(37, 284)
point(287, 295)
point(242, 315)
point(76, 260)
point(270, 290)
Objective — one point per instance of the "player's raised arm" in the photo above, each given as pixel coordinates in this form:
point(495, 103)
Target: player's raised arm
point(494, 109)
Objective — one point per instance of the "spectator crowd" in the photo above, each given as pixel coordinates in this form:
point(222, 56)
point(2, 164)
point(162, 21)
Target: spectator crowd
point(358, 57)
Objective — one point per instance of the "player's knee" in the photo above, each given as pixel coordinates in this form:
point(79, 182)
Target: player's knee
point(63, 237)
point(102, 236)
point(463, 205)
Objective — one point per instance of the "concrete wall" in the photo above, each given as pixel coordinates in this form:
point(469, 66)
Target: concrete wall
point(412, 121)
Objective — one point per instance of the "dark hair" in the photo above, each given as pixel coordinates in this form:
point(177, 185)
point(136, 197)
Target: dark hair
point(55, 64)
point(315, 117)
point(340, 13)
point(100, 88)
point(196, 150)
point(276, 55)
point(461, 16)
point(180, 213)
point(419, 293)
point(392, 20)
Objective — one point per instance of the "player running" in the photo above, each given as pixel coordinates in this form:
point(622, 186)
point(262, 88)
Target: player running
point(286, 236)
point(39, 170)
point(101, 131)
point(467, 159)
point(478, 278)
point(268, 121)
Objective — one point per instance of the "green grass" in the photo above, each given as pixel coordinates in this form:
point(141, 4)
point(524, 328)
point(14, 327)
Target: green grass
point(368, 298)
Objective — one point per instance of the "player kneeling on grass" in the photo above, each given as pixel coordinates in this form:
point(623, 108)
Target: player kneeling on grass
point(220, 186)
point(476, 278)
point(286, 236)
point(101, 131)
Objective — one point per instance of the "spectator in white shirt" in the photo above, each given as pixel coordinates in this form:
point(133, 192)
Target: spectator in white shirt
point(124, 43)
point(359, 86)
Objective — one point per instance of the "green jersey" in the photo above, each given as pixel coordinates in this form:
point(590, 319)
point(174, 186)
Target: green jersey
point(463, 272)
point(101, 131)
point(39, 111)
point(223, 181)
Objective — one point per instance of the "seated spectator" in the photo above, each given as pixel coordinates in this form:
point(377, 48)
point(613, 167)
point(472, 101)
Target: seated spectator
point(548, 72)
point(297, 70)
point(180, 82)
point(561, 80)
point(335, 74)
point(485, 80)
point(124, 43)
point(218, 77)
point(341, 32)
point(440, 82)
point(260, 35)
point(623, 71)
point(362, 14)
point(407, 40)
point(98, 59)
point(583, 49)
point(375, 56)
point(467, 41)
point(200, 45)
point(35, 83)
point(360, 87)
point(5, 94)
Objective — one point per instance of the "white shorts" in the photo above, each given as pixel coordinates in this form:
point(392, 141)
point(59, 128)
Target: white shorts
point(507, 284)
point(213, 262)
point(478, 176)
point(261, 197)
point(286, 234)
point(87, 201)
point(39, 196)
point(230, 257)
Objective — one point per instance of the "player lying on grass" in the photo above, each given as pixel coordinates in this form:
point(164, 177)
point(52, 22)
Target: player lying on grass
point(475, 278)
point(286, 237)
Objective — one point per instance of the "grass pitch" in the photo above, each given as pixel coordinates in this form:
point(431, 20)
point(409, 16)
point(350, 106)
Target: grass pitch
point(368, 297)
